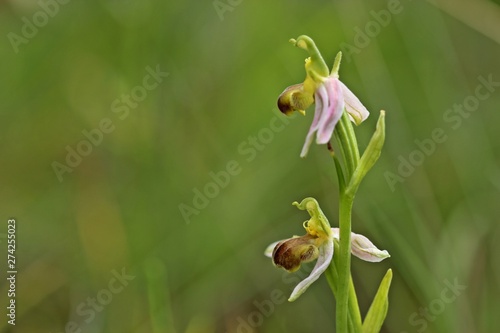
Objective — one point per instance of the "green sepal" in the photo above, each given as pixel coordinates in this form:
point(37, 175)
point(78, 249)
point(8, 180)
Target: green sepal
point(317, 63)
point(336, 64)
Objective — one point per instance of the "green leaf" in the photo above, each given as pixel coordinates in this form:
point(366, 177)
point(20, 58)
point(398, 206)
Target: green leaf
point(378, 310)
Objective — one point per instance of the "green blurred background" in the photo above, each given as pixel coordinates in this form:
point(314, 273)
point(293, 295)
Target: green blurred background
point(118, 210)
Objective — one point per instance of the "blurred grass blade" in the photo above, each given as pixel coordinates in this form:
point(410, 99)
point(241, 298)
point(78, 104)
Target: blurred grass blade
point(159, 298)
point(378, 310)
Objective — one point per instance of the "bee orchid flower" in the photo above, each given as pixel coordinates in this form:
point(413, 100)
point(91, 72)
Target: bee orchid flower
point(329, 94)
point(316, 244)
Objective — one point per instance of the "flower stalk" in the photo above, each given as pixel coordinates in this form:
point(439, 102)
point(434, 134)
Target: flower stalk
point(346, 203)
point(336, 108)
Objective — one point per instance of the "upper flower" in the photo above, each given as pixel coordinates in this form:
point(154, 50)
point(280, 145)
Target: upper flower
point(324, 89)
point(317, 243)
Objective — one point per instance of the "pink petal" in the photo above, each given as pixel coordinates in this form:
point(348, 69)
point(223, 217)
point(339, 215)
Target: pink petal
point(332, 111)
point(318, 111)
point(357, 111)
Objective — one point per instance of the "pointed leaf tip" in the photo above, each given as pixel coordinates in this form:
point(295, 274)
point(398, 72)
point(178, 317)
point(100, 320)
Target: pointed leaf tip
point(378, 310)
point(370, 156)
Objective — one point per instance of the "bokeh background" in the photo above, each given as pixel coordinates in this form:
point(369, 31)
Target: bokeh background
point(118, 211)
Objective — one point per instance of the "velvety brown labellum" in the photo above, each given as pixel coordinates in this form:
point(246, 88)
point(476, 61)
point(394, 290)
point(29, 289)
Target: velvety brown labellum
point(291, 253)
point(293, 98)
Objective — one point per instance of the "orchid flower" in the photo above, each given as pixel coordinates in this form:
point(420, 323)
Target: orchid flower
point(317, 243)
point(330, 95)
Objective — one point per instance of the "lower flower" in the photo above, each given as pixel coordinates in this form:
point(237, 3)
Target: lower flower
point(317, 243)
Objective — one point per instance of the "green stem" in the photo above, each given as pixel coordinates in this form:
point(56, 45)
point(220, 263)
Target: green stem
point(354, 307)
point(348, 314)
point(332, 275)
point(346, 203)
point(346, 297)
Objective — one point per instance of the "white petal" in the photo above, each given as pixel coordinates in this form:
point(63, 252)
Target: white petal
point(269, 250)
point(324, 259)
point(364, 249)
point(332, 112)
point(336, 233)
point(353, 105)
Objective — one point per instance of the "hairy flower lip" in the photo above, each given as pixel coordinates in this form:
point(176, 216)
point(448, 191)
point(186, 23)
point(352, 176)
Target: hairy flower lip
point(325, 256)
point(289, 254)
point(294, 98)
point(284, 106)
